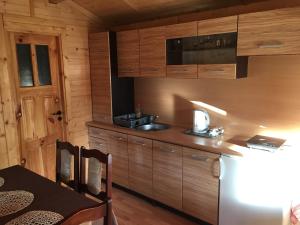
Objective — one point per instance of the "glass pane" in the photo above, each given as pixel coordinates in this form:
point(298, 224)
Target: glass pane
point(25, 65)
point(42, 57)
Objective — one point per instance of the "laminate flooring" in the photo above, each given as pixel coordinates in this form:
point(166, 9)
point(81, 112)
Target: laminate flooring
point(131, 210)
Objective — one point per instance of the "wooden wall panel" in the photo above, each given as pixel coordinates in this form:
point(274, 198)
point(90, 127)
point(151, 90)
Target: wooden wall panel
point(19, 7)
point(77, 78)
point(71, 24)
point(267, 102)
point(7, 86)
point(4, 162)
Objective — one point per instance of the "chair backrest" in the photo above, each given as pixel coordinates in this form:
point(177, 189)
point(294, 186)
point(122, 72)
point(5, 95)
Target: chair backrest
point(91, 177)
point(65, 152)
point(91, 173)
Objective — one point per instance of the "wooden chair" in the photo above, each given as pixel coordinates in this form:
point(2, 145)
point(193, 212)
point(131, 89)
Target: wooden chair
point(64, 154)
point(92, 184)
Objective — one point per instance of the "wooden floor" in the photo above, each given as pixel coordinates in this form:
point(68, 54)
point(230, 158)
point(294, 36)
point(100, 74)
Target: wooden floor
point(131, 210)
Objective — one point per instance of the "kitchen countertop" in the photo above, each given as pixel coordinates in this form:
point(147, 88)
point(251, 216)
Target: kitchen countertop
point(225, 144)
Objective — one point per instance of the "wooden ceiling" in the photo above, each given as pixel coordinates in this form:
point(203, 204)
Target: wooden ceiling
point(118, 12)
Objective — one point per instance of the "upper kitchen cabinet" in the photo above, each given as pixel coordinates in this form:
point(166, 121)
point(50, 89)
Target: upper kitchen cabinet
point(269, 33)
point(176, 32)
point(152, 52)
point(217, 49)
point(208, 50)
point(128, 48)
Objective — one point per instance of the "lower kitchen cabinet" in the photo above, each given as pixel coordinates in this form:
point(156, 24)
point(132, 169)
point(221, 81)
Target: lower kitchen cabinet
point(140, 165)
point(117, 146)
point(183, 178)
point(167, 174)
point(201, 184)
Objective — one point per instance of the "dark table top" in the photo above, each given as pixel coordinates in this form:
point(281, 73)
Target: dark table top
point(48, 195)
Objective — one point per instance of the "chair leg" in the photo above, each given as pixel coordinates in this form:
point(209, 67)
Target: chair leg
point(108, 217)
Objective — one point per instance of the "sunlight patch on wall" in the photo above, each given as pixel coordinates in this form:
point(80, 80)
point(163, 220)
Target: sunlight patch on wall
point(210, 107)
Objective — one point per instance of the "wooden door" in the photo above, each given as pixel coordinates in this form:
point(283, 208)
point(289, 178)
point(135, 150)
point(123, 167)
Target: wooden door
point(167, 174)
point(153, 52)
point(40, 108)
point(201, 184)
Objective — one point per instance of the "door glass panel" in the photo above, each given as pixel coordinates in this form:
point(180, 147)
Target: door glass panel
point(25, 65)
point(43, 63)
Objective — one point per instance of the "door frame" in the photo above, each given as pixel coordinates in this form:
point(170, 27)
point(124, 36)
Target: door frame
point(60, 82)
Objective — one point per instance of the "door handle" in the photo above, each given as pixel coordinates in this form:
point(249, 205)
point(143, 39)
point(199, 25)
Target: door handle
point(221, 168)
point(19, 113)
point(23, 162)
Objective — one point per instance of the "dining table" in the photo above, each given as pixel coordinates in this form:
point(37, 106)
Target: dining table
point(28, 198)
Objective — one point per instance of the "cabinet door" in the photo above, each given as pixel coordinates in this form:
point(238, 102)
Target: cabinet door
point(99, 144)
point(201, 184)
point(181, 30)
point(98, 139)
point(100, 77)
point(118, 148)
point(218, 25)
point(128, 47)
point(98, 133)
point(270, 32)
point(223, 71)
point(140, 165)
point(182, 71)
point(153, 52)
point(167, 174)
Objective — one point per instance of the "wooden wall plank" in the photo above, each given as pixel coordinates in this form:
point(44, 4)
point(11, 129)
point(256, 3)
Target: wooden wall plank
point(3, 147)
point(77, 81)
point(7, 85)
point(18, 7)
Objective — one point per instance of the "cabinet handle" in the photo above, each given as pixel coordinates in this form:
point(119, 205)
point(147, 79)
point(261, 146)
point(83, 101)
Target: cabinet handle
point(218, 160)
point(199, 158)
point(119, 138)
point(167, 150)
point(151, 69)
point(216, 70)
point(139, 143)
point(274, 44)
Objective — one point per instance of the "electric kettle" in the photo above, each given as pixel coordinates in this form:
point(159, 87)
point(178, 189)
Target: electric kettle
point(201, 121)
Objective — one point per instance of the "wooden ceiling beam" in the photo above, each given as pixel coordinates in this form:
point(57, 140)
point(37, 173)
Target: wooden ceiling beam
point(55, 1)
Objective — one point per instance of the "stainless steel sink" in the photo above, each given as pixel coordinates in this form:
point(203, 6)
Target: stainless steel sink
point(153, 127)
